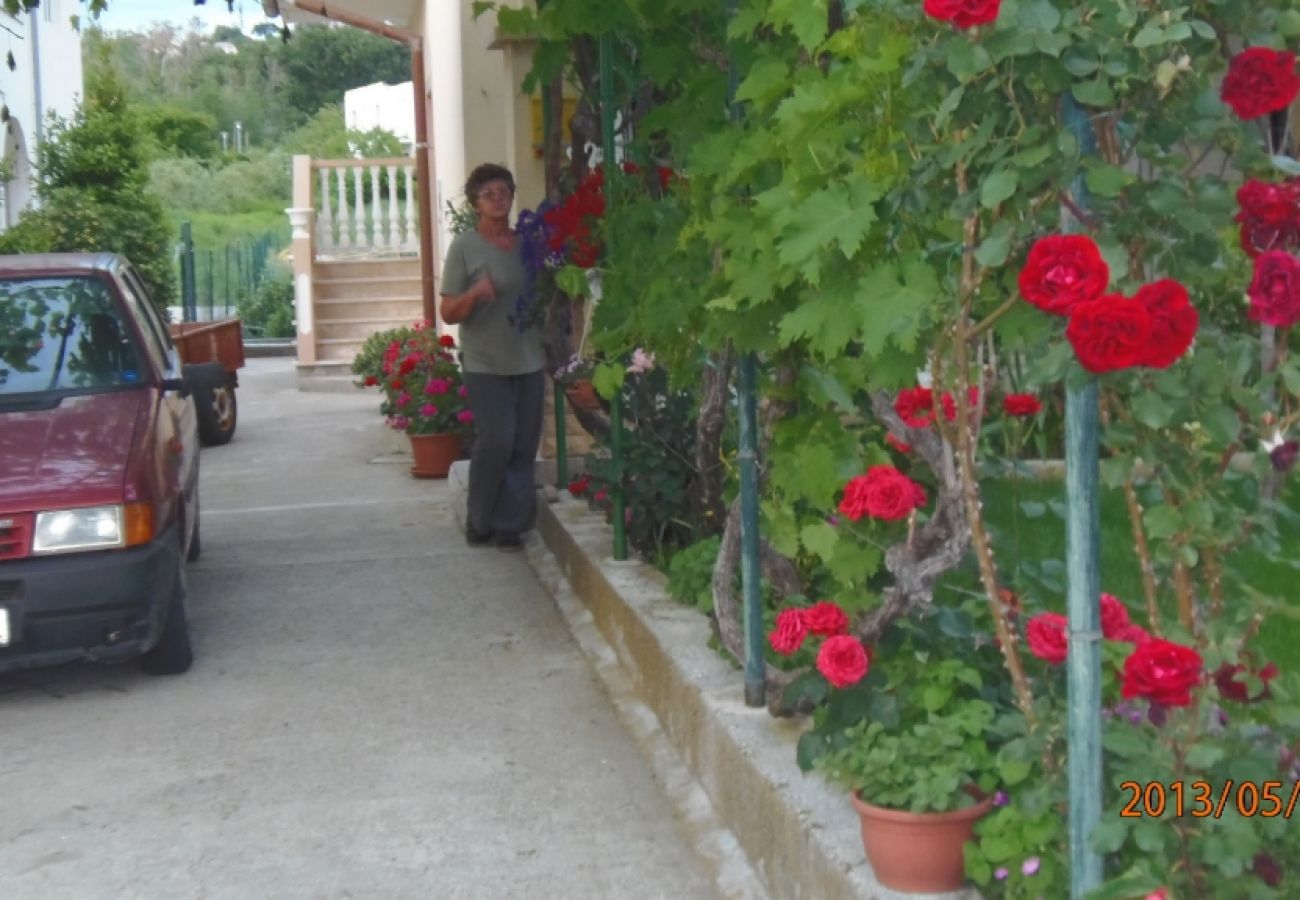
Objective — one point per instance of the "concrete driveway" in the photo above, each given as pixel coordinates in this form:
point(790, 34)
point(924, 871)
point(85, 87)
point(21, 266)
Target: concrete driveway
point(375, 711)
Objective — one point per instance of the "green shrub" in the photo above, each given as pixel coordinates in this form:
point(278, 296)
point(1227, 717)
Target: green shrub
point(269, 312)
point(690, 574)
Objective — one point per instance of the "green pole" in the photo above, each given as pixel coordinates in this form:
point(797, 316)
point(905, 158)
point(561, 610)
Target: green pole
point(750, 574)
point(189, 302)
point(611, 178)
point(225, 284)
point(1083, 567)
point(211, 283)
point(561, 425)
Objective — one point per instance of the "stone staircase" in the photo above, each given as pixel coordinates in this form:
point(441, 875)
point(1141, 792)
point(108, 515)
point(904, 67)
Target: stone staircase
point(353, 299)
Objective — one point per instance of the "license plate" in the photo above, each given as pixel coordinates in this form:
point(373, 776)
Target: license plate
point(4, 627)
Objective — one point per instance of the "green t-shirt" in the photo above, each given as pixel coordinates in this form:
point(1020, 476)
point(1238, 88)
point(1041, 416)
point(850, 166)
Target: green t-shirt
point(491, 343)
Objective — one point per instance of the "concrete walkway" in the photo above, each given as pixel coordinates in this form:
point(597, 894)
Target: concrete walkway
point(376, 710)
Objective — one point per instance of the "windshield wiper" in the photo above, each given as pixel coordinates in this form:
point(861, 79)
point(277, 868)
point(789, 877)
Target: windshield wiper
point(29, 402)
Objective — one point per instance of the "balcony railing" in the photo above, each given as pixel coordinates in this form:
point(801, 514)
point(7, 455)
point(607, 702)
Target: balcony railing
point(365, 207)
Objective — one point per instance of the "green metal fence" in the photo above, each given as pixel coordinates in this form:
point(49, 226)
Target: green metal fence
point(213, 280)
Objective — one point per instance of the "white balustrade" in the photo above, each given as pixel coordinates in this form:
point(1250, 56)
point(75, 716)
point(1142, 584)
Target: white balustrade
point(364, 223)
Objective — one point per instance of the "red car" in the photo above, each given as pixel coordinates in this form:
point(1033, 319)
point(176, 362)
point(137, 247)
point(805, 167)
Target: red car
point(99, 468)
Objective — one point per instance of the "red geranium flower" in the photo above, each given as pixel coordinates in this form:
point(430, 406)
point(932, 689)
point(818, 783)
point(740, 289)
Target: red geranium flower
point(1173, 322)
point(963, 13)
point(1275, 290)
point(883, 493)
point(826, 618)
point(371, 381)
point(1045, 635)
point(447, 340)
point(579, 486)
point(1109, 333)
point(843, 660)
point(790, 630)
point(1062, 271)
point(1021, 405)
point(1260, 81)
point(396, 384)
point(1162, 671)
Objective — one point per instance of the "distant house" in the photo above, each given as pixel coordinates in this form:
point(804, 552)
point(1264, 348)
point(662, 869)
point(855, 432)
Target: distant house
point(387, 106)
point(226, 47)
point(41, 75)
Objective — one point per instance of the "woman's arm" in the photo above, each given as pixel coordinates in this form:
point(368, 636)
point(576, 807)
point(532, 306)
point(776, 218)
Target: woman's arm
point(457, 308)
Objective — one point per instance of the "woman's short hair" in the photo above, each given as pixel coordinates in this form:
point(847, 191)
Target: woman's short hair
point(484, 174)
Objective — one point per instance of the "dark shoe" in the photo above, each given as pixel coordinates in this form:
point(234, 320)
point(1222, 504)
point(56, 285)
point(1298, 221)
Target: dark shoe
point(509, 541)
point(477, 538)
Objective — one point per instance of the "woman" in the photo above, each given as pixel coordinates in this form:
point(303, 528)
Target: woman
point(482, 279)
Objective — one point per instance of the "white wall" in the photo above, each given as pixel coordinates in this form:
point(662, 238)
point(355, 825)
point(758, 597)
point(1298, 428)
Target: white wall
point(387, 106)
point(57, 49)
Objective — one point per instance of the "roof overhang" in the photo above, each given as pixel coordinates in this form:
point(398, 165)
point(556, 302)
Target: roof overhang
point(402, 16)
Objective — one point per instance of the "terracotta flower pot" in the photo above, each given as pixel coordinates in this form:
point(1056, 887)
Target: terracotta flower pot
point(918, 852)
point(582, 394)
point(434, 454)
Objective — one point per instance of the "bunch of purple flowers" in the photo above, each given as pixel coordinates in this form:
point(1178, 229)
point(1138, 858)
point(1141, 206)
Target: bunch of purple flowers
point(538, 258)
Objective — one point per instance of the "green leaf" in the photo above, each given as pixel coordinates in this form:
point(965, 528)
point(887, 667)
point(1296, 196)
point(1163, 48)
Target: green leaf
point(998, 187)
point(1107, 181)
point(1093, 93)
point(809, 686)
point(1150, 35)
point(1013, 771)
point(890, 309)
point(1109, 834)
point(1162, 522)
point(820, 539)
point(840, 214)
point(1039, 15)
point(767, 81)
point(608, 379)
point(949, 105)
point(806, 18)
point(1203, 757)
point(1151, 410)
point(1288, 23)
point(1222, 422)
point(994, 249)
point(966, 60)
point(828, 386)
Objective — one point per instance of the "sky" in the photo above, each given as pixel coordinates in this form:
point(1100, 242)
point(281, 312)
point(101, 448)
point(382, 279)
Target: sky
point(138, 15)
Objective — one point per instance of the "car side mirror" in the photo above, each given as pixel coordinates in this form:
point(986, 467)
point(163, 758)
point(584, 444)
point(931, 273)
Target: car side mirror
point(178, 385)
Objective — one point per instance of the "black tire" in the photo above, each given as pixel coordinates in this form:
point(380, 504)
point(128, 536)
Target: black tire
point(196, 542)
point(173, 654)
point(215, 404)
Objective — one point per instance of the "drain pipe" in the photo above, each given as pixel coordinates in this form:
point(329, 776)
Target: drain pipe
point(423, 171)
point(39, 118)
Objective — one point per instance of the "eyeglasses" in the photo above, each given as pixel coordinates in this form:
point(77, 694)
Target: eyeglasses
point(496, 194)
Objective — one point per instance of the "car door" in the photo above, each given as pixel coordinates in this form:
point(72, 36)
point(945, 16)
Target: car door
point(177, 419)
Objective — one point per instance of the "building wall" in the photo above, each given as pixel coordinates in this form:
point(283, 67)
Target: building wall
point(57, 50)
point(387, 106)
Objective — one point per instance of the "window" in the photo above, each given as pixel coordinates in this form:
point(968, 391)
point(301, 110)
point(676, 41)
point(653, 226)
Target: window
point(64, 335)
point(156, 335)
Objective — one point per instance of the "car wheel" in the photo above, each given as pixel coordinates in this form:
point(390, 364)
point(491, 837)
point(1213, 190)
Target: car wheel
point(196, 543)
point(173, 654)
point(215, 404)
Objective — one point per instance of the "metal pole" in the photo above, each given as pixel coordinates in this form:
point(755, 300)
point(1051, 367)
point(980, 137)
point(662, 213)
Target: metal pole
point(561, 425)
point(188, 300)
point(226, 281)
point(611, 178)
point(211, 283)
point(755, 667)
point(1083, 566)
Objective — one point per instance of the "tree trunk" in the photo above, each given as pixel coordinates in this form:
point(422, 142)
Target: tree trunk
point(710, 509)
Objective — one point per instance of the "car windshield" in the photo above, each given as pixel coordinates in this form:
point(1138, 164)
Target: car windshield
point(63, 335)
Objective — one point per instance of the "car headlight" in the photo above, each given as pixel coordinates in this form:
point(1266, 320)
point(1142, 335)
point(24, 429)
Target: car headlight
point(70, 530)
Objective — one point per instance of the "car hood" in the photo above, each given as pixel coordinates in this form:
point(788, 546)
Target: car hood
point(75, 454)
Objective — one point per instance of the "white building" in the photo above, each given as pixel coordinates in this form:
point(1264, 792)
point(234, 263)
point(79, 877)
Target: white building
point(387, 106)
point(40, 74)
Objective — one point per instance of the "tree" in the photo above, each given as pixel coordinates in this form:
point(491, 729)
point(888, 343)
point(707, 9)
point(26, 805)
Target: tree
point(322, 62)
point(94, 190)
point(177, 131)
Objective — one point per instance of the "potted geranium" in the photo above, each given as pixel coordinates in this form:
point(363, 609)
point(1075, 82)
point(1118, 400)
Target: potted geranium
point(425, 397)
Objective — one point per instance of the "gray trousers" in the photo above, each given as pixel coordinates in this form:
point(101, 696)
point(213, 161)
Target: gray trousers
point(508, 428)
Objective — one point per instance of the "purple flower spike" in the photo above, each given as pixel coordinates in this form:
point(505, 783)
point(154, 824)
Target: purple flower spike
point(1001, 873)
point(1001, 798)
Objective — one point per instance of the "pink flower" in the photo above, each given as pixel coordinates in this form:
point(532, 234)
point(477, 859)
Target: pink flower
point(403, 398)
point(428, 410)
point(843, 660)
point(437, 386)
point(463, 391)
point(464, 417)
point(1030, 865)
point(642, 362)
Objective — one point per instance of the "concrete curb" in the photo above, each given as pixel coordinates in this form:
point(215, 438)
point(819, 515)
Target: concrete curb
point(798, 832)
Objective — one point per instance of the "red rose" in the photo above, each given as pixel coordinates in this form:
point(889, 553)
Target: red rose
point(1114, 617)
point(790, 630)
point(1226, 679)
point(963, 13)
point(950, 406)
point(1109, 333)
point(883, 493)
point(1045, 635)
point(1173, 322)
point(1163, 671)
point(1275, 290)
point(447, 341)
point(579, 486)
point(915, 406)
point(1132, 634)
point(897, 444)
point(1063, 270)
point(1260, 81)
point(1021, 405)
point(371, 381)
point(1269, 215)
point(826, 618)
point(843, 660)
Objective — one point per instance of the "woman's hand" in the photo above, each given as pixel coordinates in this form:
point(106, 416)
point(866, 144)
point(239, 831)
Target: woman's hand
point(484, 289)
point(459, 307)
